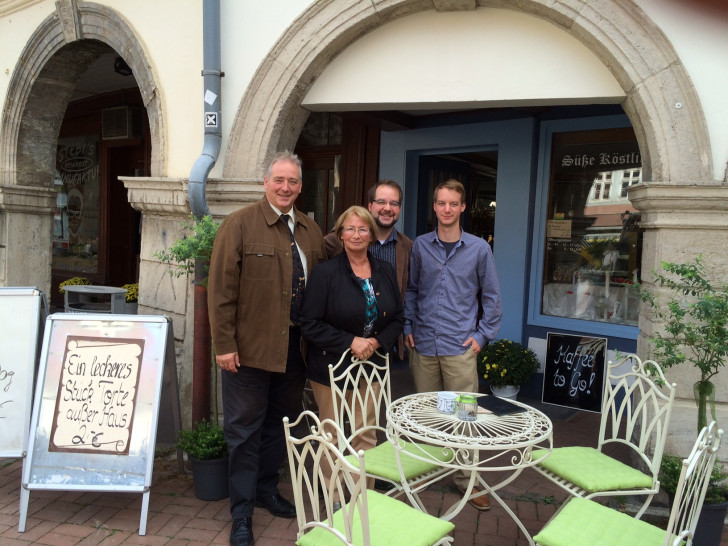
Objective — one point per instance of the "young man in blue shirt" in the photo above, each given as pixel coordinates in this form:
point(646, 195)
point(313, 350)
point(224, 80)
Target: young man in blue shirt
point(449, 269)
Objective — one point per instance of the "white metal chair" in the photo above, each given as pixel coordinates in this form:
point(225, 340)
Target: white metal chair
point(322, 476)
point(636, 413)
point(584, 521)
point(357, 383)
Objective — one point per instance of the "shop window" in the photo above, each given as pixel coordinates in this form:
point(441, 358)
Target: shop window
point(76, 218)
point(592, 242)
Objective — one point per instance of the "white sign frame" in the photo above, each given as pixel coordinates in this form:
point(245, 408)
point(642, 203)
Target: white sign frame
point(68, 470)
point(20, 314)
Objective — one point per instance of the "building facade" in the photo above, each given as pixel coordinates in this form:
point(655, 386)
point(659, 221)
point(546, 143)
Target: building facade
point(590, 136)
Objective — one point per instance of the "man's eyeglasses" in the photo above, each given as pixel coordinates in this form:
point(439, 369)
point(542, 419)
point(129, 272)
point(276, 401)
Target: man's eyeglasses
point(382, 202)
point(352, 230)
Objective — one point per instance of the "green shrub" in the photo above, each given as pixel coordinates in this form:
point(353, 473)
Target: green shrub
point(204, 441)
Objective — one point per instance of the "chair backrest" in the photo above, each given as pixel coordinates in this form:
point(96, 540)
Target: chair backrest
point(636, 409)
point(356, 383)
point(311, 458)
point(693, 483)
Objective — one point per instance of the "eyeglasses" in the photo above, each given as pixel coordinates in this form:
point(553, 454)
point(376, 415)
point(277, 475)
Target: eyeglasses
point(352, 230)
point(382, 202)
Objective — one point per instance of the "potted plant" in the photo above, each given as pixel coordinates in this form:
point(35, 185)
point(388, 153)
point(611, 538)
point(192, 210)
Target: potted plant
point(191, 254)
point(506, 365)
point(712, 515)
point(195, 247)
point(132, 297)
point(207, 452)
point(694, 331)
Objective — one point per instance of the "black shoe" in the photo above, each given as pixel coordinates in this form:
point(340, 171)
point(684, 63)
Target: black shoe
point(276, 505)
point(241, 533)
point(381, 485)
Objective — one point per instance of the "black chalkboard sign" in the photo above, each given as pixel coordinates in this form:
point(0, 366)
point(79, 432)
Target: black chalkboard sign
point(574, 371)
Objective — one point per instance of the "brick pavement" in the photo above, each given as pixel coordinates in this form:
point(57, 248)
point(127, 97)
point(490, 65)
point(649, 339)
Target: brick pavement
point(176, 517)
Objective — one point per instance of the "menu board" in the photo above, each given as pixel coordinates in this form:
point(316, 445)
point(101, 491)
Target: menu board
point(101, 381)
point(96, 395)
point(574, 373)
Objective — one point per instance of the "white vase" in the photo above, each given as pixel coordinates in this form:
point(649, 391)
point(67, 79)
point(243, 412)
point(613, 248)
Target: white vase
point(507, 391)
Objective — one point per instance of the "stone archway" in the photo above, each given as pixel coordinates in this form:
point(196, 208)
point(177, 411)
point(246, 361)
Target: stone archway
point(56, 55)
point(661, 102)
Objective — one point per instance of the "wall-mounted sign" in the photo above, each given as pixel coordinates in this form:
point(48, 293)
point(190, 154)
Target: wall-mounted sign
point(101, 381)
point(574, 371)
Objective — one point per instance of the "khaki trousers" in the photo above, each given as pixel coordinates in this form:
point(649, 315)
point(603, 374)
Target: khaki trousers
point(363, 441)
point(457, 373)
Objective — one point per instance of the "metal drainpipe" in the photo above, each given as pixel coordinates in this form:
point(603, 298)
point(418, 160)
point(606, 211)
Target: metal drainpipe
point(212, 74)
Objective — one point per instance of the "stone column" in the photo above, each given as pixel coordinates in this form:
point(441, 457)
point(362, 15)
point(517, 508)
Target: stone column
point(682, 221)
point(26, 232)
point(163, 204)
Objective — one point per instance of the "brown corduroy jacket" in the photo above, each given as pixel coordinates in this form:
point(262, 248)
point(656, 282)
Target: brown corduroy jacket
point(249, 287)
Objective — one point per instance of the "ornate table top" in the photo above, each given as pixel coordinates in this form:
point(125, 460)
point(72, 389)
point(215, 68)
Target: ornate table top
point(416, 418)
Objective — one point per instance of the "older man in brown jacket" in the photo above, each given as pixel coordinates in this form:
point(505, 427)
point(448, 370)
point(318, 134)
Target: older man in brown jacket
point(261, 259)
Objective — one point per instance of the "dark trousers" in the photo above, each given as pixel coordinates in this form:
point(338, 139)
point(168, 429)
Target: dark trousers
point(255, 402)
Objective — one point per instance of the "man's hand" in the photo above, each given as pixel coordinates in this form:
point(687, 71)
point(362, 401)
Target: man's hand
point(409, 341)
point(473, 344)
point(229, 362)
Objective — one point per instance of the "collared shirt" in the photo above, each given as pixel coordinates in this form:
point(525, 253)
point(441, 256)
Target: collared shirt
point(386, 250)
point(441, 303)
point(292, 226)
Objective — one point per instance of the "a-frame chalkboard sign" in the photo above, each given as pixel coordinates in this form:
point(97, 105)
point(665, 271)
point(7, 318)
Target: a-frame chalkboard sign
point(22, 315)
point(95, 418)
point(574, 371)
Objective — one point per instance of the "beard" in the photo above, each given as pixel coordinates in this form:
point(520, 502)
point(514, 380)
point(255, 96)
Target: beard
point(381, 224)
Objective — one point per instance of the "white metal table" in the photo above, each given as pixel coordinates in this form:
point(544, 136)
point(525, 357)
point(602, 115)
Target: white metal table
point(491, 443)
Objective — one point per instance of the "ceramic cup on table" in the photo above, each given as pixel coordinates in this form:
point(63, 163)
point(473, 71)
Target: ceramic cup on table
point(446, 401)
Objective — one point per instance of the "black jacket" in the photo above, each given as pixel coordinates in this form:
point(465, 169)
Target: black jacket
point(334, 312)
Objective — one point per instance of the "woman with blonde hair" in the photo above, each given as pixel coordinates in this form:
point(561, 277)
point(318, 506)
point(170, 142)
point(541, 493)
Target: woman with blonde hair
point(352, 301)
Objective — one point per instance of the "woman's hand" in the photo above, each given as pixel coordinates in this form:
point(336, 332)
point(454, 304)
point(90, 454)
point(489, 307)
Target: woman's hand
point(362, 348)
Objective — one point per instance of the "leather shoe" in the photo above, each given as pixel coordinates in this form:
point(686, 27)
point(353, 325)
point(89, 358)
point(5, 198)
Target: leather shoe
point(276, 505)
point(482, 502)
point(241, 533)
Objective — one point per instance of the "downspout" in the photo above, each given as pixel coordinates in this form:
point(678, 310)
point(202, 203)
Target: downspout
point(212, 74)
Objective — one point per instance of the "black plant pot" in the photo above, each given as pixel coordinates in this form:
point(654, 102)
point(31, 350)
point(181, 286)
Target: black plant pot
point(211, 478)
point(710, 524)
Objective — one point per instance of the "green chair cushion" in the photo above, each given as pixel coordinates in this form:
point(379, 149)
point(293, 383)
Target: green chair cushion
point(584, 522)
point(592, 470)
point(382, 460)
point(390, 522)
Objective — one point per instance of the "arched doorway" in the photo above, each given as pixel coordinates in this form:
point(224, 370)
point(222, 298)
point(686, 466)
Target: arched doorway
point(62, 50)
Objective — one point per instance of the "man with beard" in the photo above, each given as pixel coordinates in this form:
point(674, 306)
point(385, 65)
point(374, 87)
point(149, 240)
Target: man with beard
point(391, 246)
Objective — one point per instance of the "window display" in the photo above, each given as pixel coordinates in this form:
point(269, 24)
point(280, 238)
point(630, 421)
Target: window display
point(593, 243)
point(76, 218)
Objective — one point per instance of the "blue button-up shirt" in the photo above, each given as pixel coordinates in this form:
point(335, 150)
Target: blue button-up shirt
point(441, 303)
